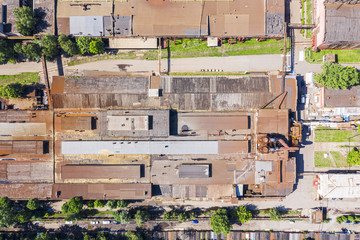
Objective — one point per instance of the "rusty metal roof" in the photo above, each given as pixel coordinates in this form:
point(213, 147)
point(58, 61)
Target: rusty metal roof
point(101, 171)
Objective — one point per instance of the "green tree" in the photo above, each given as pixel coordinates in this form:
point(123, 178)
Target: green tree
point(122, 216)
point(7, 212)
point(97, 46)
point(49, 46)
point(26, 20)
point(68, 45)
point(353, 158)
point(12, 90)
point(182, 217)
point(335, 76)
point(90, 204)
point(141, 217)
point(100, 236)
point(33, 204)
point(44, 236)
point(243, 214)
point(219, 222)
point(99, 203)
point(83, 44)
point(87, 236)
point(112, 204)
point(166, 216)
point(133, 235)
point(275, 214)
point(6, 52)
point(122, 203)
point(31, 50)
point(74, 205)
point(23, 216)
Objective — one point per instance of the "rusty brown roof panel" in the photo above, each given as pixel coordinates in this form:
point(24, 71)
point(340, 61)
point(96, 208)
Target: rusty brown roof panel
point(58, 84)
point(212, 121)
point(233, 147)
point(273, 121)
point(76, 123)
point(26, 190)
point(100, 171)
point(132, 191)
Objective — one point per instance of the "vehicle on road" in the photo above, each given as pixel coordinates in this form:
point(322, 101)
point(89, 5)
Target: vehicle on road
point(116, 222)
point(195, 221)
point(106, 222)
point(69, 222)
point(94, 222)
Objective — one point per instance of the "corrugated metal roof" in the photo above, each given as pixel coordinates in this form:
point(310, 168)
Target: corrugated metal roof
point(194, 171)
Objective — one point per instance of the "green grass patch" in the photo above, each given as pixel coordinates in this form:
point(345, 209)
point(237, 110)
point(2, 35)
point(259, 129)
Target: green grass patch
point(190, 48)
point(23, 78)
point(103, 213)
point(343, 55)
point(321, 161)
point(336, 136)
point(309, 16)
point(339, 159)
point(130, 55)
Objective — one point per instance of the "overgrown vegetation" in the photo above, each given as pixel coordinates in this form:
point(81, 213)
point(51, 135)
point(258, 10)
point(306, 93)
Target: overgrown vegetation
point(348, 218)
point(335, 76)
point(27, 20)
point(353, 158)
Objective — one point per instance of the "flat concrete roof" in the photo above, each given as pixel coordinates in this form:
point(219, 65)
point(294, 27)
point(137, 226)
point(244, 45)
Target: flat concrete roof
point(339, 185)
point(22, 129)
point(127, 123)
point(194, 171)
point(91, 26)
point(139, 147)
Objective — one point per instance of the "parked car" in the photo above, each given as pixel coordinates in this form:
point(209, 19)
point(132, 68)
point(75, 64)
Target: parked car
point(94, 222)
point(106, 222)
point(116, 222)
point(69, 222)
point(195, 221)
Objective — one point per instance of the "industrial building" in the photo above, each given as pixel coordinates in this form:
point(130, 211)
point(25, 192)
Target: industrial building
point(332, 186)
point(168, 137)
point(169, 18)
point(336, 21)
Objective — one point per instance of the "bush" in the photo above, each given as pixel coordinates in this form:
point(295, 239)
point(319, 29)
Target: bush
point(243, 214)
point(353, 158)
point(336, 76)
point(97, 46)
point(166, 216)
point(341, 219)
point(275, 214)
point(12, 90)
point(68, 45)
point(90, 204)
point(182, 217)
point(141, 217)
point(219, 222)
point(122, 216)
point(112, 204)
point(49, 44)
point(133, 235)
point(26, 20)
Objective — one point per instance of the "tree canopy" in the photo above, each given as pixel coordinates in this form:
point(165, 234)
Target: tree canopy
point(83, 44)
point(74, 205)
point(31, 50)
point(6, 51)
point(335, 76)
point(49, 46)
point(353, 158)
point(97, 46)
point(219, 222)
point(33, 204)
point(99, 203)
point(141, 217)
point(122, 216)
point(133, 235)
point(26, 20)
point(243, 214)
point(68, 45)
point(7, 212)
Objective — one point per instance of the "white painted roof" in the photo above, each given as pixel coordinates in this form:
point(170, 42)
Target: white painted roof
point(339, 185)
point(139, 147)
point(91, 26)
